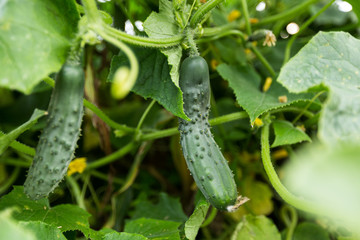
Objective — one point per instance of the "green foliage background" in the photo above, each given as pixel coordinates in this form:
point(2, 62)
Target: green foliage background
point(136, 184)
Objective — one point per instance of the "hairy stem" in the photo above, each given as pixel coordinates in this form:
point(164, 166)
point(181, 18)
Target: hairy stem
point(288, 197)
point(144, 41)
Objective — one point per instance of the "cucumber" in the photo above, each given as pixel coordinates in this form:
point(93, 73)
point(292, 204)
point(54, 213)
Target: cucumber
point(58, 140)
point(204, 159)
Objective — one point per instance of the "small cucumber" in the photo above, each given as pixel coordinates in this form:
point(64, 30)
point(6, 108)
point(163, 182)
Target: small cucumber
point(206, 163)
point(58, 140)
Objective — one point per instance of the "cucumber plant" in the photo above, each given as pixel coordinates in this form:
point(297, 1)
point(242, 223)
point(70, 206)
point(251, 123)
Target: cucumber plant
point(205, 161)
point(58, 140)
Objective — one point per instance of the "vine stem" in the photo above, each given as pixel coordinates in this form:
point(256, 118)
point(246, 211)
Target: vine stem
point(10, 180)
point(76, 192)
point(290, 223)
point(288, 197)
point(145, 41)
point(263, 60)
point(142, 119)
point(91, 11)
point(302, 28)
point(193, 48)
point(210, 218)
point(134, 65)
point(307, 106)
point(246, 17)
point(112, 157)
point(291, 13)
point(203, 9)
point(215, 121)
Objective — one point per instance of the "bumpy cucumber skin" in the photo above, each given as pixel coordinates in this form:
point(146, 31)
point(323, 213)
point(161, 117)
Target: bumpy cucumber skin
point(58, 140)
point(204, 159)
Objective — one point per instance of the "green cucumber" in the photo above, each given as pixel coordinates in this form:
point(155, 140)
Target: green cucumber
point(57, 142)
point(204, 159)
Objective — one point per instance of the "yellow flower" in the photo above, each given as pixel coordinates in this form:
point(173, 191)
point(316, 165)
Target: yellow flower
point(254, 20)
point(77, 165)
point(214, 63)
point(233, 15)
point(267, 84)
point(258, 122)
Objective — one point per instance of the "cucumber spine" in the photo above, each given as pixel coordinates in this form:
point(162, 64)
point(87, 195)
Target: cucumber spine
point(204, 159)
point(57, 143)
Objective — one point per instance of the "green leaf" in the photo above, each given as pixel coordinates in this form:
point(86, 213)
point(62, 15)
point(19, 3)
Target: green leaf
point(256, 228)
point(154, 79)
point(330, 59)
point(66, 217)
point(287, 134)
point(154, 229)
point(7, 139)
point(246, 85)
point(123, 236)
point(310, 231)
point(163, 25)
point(9, 229)
point(167, 208)
point(42, 230)
point(230, 51)
point(34, 39)
point(329, 176)
point(192, 225)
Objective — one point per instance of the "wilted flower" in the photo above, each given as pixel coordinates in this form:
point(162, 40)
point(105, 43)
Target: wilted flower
point(270, 39)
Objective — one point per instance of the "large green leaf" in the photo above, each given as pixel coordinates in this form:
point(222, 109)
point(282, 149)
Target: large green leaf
point(246, 85)
point(34, 39)
point(331, 59)
point(286, 134)
point(154, 79)
point(256, 228)
point(66, 217)
point(167, 208)
point(10, 229)
point(8, 139)
point(163, 25)
point(329, 176)
point(154, 229)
